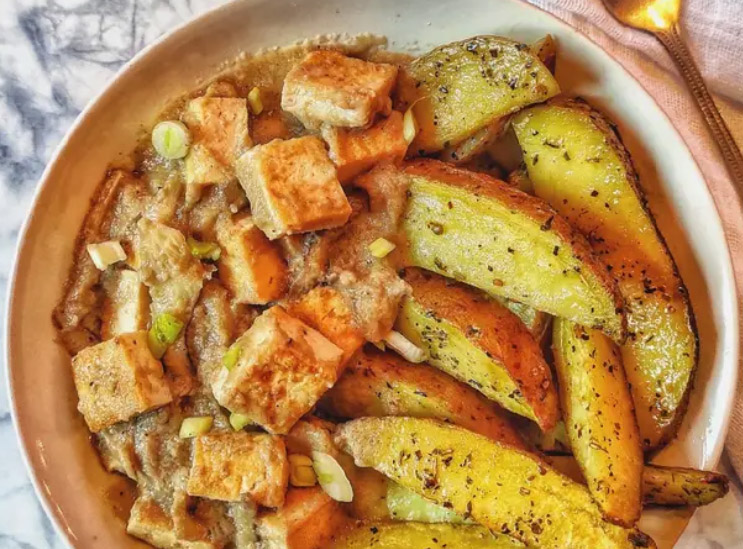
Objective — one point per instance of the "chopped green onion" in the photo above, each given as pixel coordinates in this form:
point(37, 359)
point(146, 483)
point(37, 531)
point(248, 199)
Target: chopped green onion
point(255, 101)
point(301, 472)
point(405, 348)
point(331, 477)
point(171, 139)
point(195, 426)
point(204, 250)
point(381, 247)
point(106, 253)
point(239, 421)
point(409, 126)
point(165, 330)
point(231, 357)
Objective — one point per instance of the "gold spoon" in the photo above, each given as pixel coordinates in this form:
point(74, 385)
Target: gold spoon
point(661, 18)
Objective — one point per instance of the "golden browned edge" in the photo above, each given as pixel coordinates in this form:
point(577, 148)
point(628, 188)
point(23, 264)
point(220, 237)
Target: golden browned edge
point(609, 129)
point(460, 398)
point(530, 206)
point(466, 307)
point(565, 400)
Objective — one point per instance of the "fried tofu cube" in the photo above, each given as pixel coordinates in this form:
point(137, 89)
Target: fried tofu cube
point(359, 150)
point(292, 187)
point(326, 310)
point(203, 169)
point(219, 128)
point(148, 522)
point(118, 379)
point(308, 520)
point(126, 307)
point(282, 370)
point(250, 266)
point(235, 466)
point(332, 88)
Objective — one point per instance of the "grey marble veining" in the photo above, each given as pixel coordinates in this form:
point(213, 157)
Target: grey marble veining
point(54, 57)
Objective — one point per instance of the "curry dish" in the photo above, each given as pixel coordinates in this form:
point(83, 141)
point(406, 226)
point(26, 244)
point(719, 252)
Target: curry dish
point(344, 298)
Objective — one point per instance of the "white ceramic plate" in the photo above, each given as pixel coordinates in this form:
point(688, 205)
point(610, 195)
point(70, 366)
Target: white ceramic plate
point(66, 471)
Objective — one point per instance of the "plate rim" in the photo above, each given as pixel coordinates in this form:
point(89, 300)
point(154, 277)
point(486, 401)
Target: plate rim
point(52, 512)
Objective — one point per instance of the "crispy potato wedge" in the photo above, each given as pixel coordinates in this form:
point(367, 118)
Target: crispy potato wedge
point(475, 339)
point(679, 486)
point(662, 486)
point(385, 384)
point(599, 418)
point(577, 163)
point(462, 87)
point(481, 231)
point(504, 489)
point(413, 535)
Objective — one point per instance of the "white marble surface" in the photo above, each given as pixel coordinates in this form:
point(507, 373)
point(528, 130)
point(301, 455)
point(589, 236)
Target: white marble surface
point(54, 56)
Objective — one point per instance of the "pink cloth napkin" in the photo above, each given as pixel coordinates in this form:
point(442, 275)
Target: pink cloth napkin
point(714, 33)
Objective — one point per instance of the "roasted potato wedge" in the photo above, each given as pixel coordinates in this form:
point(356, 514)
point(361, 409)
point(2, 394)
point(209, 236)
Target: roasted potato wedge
point(413, 535)
point(384, 384)
point(599, 418)
point(459, 88)
point(475, 339)
point(680, 486)
point(481, 231)
point(577, 163)
point(500, 487)
point(369, 493)
point(663, 486)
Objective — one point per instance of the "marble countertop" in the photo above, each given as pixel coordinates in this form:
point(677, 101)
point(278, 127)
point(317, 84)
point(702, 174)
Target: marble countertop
point(54, 56)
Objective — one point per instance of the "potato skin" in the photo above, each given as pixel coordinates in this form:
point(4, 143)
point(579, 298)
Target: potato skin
point(462, 87)
point(521, 496)
point(585, 173)
point(384, 384)
point(413, 535)
point(600, 419)
point(478, 341)
point(481, 231)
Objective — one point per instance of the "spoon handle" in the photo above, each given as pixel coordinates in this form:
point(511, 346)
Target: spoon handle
point(681, 56)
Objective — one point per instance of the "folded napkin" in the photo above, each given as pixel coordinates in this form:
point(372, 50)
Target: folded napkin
point(714, 33)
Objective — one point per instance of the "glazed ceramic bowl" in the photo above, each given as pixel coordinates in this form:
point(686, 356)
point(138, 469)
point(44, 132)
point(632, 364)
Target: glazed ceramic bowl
point(69, 479)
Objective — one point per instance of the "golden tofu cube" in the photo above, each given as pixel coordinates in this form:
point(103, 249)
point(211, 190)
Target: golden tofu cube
point(250, 265)
point(327, 310)
point(118, 379)
point(148, 521)
point(292, 187)
point(220, 124)
point(236, 466)
point(126, 307)
point(308, 520)
point(355, 151)
point(283, 368)
point(202, 168)
point(329, 87)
